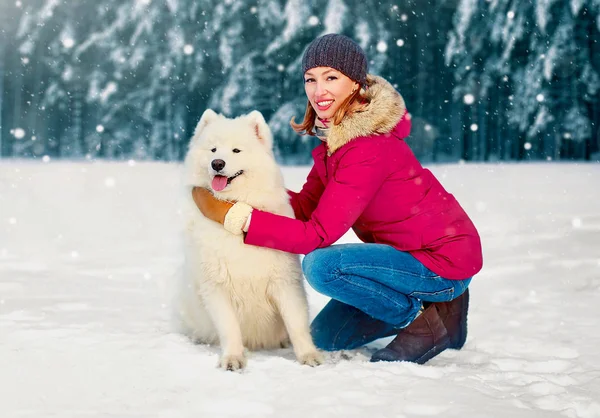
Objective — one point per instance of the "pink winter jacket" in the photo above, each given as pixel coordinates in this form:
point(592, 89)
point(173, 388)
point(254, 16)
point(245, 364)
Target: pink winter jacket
point(367, 178)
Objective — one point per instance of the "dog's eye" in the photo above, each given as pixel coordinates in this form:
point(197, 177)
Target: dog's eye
point(236, 151)
point(214, 150)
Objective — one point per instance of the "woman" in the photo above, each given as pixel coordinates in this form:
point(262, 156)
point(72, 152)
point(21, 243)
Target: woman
point(420, 250)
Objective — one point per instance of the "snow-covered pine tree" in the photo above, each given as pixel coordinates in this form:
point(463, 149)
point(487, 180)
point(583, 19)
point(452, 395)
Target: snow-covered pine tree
point(21, 88)
point(133, 88)
point(7, 23)
point(537, 64)
point(415, 65)
point(49, 35)
point(170, 60)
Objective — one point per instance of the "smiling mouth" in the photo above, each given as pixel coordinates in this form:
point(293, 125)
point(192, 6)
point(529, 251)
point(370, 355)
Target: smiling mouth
point(324, 104)
point(219, 182)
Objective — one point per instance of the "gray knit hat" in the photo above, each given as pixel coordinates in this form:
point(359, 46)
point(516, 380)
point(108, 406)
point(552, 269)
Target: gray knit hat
point(338, 52)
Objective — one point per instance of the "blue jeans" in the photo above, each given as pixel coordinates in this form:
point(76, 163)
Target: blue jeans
point(375, 289)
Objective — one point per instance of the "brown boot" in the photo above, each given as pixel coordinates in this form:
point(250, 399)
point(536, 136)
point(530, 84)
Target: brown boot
point(454, 316)
point(420, 341)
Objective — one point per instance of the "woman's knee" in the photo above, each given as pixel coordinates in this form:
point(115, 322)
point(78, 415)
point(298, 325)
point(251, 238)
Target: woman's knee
point(319, 267)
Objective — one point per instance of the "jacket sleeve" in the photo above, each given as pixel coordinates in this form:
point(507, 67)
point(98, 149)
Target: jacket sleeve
point(305, 201)
point(359, 175)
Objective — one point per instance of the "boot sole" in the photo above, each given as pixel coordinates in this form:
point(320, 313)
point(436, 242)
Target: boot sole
point(462, 338)
point(434, 351)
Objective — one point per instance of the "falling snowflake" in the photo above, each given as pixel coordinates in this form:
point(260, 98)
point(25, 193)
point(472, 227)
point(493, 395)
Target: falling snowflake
point(46, 158)
point(404, 17)
point(469, 99)
point(131, 163)
point(18, 133)
point(68, 42)
point(188, 49)
point(381, 46)
point(313, 21)
point(400, 42)
point(540, 97)
point(280, 67)
point(510, 14)
point(474, 127)
point(527, 146)
point(99, 128)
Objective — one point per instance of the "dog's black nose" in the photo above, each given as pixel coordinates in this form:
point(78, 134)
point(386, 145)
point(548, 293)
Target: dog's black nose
point(217, 165)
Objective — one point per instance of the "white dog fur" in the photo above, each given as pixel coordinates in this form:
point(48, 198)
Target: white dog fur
point(232, 293)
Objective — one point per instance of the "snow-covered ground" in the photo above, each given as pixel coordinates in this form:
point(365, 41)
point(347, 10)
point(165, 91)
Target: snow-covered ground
point(89, 251)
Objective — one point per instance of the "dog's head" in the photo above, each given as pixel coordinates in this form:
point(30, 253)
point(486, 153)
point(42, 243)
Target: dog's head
point(231, 156)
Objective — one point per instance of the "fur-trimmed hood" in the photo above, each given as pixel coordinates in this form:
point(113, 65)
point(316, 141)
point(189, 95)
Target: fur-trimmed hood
point(382, 114)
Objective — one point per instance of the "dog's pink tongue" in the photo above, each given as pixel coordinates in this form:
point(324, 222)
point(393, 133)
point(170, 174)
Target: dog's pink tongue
point(219, 183)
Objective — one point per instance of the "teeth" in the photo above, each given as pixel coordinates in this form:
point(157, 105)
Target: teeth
point(239, 173)
point(327, 103)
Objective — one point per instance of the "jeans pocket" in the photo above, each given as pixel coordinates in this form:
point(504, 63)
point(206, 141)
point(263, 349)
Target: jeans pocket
point(443, 295)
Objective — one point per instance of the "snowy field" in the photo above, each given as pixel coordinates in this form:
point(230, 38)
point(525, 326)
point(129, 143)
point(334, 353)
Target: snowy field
point(88, 253)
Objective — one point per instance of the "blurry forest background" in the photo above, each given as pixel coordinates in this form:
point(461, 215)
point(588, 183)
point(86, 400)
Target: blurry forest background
point(485, 80)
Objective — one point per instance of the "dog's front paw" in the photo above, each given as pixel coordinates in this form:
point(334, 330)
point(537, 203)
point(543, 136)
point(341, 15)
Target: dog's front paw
point(232, 362)
point(312, 358)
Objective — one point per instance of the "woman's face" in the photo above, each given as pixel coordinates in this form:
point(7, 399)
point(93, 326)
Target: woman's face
point(327, 89)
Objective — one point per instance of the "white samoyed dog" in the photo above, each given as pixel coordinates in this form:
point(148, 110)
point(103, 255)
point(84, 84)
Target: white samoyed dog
point(239, 295)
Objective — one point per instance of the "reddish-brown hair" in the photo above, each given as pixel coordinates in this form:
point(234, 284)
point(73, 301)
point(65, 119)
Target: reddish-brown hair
point(353, 103)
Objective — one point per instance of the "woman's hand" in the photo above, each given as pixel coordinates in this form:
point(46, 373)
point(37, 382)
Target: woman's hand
point(211, 207)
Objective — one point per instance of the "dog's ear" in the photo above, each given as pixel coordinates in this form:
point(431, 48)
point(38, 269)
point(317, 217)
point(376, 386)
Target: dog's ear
point(261, 128)
point(208, 116)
